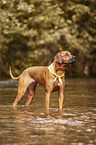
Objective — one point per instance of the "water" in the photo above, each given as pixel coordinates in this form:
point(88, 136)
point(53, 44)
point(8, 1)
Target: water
point(76, 125)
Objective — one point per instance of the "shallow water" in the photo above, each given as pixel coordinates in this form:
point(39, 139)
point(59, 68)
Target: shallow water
point(76, 125)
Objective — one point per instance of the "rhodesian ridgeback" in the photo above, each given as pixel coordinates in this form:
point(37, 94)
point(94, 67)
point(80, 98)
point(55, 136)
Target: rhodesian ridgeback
point(51, 78)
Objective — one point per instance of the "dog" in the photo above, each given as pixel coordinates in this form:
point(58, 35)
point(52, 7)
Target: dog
point(51, 78)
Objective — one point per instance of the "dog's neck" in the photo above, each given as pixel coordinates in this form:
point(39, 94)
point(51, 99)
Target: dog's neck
point(58, 70)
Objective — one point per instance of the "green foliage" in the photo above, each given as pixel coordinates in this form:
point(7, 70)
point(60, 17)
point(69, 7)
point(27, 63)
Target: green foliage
point(32, 32)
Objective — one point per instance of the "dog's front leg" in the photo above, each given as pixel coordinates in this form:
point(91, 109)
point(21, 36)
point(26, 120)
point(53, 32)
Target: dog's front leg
point(47, 102)
point(61, 98)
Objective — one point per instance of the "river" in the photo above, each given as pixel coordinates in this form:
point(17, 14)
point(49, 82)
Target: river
point(76, 125)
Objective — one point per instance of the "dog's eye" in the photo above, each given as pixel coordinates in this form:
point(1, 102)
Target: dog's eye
point(66, 54)
point(58, 63)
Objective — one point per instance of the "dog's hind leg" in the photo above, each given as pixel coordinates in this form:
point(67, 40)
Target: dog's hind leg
point(23, 84)
point(31, 93)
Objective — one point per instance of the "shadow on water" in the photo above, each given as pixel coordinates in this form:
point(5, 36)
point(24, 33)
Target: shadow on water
point(76, 125)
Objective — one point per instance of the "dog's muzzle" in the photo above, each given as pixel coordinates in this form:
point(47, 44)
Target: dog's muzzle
point(72, 60)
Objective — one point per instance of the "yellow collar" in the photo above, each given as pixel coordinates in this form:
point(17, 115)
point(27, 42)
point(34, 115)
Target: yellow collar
point(51, 69)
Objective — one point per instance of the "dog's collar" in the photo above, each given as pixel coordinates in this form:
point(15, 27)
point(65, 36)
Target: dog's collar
point(60, 66)
point(51, 69)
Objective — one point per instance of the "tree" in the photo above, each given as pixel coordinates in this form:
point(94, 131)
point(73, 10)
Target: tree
point(32, 32)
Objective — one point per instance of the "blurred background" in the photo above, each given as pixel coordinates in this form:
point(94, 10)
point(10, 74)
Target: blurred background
point(33, 31)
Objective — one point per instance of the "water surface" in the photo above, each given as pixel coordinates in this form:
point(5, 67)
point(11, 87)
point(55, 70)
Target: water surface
point(76, 125)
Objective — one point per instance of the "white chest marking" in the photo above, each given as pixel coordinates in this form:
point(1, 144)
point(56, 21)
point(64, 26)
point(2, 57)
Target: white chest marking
point(59, 84)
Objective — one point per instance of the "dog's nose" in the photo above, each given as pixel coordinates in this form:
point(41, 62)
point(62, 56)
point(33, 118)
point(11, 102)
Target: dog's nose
point(74, 58)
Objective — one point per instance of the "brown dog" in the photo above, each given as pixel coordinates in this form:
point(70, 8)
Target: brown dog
point(51, 78)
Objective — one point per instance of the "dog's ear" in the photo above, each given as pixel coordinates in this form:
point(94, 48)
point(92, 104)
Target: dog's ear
point(58, 57)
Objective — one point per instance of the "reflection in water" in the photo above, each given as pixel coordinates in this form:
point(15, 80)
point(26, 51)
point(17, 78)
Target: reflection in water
point(76, 125)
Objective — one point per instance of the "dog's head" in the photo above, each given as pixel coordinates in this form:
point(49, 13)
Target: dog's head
point(63, 58)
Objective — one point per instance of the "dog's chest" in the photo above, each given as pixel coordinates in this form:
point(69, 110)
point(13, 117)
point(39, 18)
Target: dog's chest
point(57, 86)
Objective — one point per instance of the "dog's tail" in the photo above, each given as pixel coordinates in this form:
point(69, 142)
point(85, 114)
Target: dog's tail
point(14, 78)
